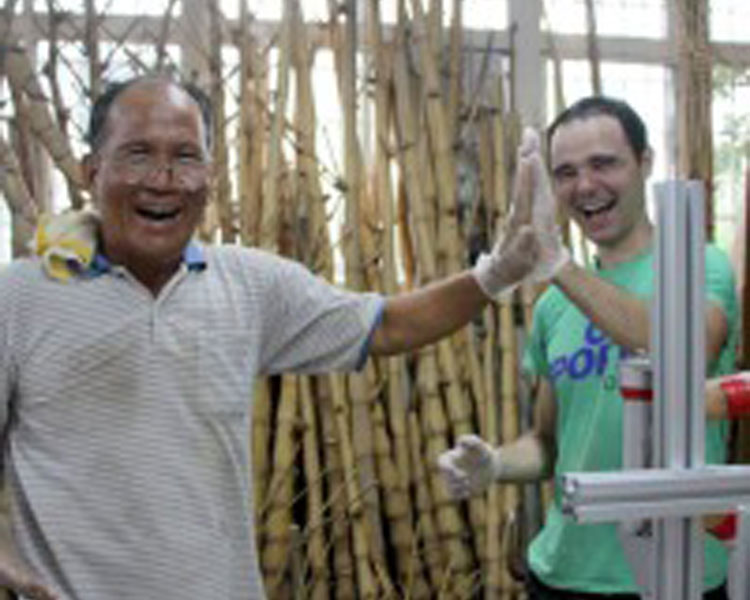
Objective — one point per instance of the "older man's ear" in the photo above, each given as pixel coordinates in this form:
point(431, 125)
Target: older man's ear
point(89, 168)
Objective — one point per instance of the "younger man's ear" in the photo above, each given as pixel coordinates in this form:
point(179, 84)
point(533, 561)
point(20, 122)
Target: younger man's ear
point(647, 162)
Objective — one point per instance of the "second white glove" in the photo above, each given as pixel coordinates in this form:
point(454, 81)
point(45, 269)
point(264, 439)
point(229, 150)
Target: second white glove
point(470, 467)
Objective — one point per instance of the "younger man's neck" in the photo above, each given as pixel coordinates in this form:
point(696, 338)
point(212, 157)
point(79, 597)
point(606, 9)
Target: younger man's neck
point(638, 240)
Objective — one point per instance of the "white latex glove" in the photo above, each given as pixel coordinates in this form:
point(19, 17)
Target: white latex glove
point(553, 253)
point(470, 467)
point(516, 252)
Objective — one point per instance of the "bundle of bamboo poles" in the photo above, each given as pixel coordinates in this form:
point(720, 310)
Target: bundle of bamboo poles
point(347, 497)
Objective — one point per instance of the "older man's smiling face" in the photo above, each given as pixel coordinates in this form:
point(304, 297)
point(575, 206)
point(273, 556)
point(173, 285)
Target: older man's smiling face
point(149, 178)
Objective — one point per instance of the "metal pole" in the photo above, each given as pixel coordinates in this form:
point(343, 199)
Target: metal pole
point(739, 581)
point(679, 486)
point(678, 350)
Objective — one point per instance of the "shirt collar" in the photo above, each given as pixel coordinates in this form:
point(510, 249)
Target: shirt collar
point(193, 256)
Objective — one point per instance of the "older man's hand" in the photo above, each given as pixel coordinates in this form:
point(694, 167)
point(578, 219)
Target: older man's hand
point(17, 579)
point(516, 252)
point(553, 254)
point(14, 575)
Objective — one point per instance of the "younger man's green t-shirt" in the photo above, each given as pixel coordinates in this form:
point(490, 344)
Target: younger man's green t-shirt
point(581, 363)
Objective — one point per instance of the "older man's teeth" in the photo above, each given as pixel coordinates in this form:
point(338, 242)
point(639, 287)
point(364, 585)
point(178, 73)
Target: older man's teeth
point(158, 213)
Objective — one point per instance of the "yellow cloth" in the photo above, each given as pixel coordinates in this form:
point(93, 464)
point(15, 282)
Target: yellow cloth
point(66, 242)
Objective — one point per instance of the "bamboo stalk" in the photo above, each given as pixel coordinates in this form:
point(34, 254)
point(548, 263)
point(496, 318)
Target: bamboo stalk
point(435, 27)
point(160, 46)
point(361, 399)
point(492, 172)
point(487, 177)
point(6, 535)
point(468, 347)
point(359, 392)
point(62, 114)
point(435, 430)
point(288, 234)
point(461, 421)
point(397, 508)
point(6, 31)
point(694, 92)
point(371, 236)
point(384, 191)
point(316, 545)
point(592, 47)
point(343, 564)
point(91, 36)
point(352, 166)
point(297, 567)
point(261, 428)
point(277, 532)
point(32, 165)
point(442, 147)
point(509, 403)
point(270, 219)
point(557, 66)
point(253, 122)
point(469, 369)
point(405, 235)
point(24, 81)
point(248, 188)
point(14, 187)
point(222, 187)
point(413, 171)
point(496, 581)
point(507, 328)
point(436, 558)
point(365, 576)
point(18, 199)
point(411, 101)
point(455, 70)
point(557, 78)
point(319, 253)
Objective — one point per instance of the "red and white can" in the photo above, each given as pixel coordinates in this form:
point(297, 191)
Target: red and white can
point(637, 390)
point(636, 378)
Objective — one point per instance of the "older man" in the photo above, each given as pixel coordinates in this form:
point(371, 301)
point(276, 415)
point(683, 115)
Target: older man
point(125, 391)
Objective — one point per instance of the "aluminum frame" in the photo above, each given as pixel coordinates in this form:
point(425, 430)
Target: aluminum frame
point(681, 488)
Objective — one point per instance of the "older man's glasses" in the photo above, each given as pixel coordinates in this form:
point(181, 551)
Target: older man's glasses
point(188, 171)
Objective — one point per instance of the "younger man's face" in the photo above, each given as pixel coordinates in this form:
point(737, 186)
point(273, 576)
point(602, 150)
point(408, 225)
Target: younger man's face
point(597, 178)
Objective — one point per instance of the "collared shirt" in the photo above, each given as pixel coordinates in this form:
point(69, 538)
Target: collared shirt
point(127, 416)
point(192, 256)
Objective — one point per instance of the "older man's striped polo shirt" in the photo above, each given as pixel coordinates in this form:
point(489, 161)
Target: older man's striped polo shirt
point(127, 416)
